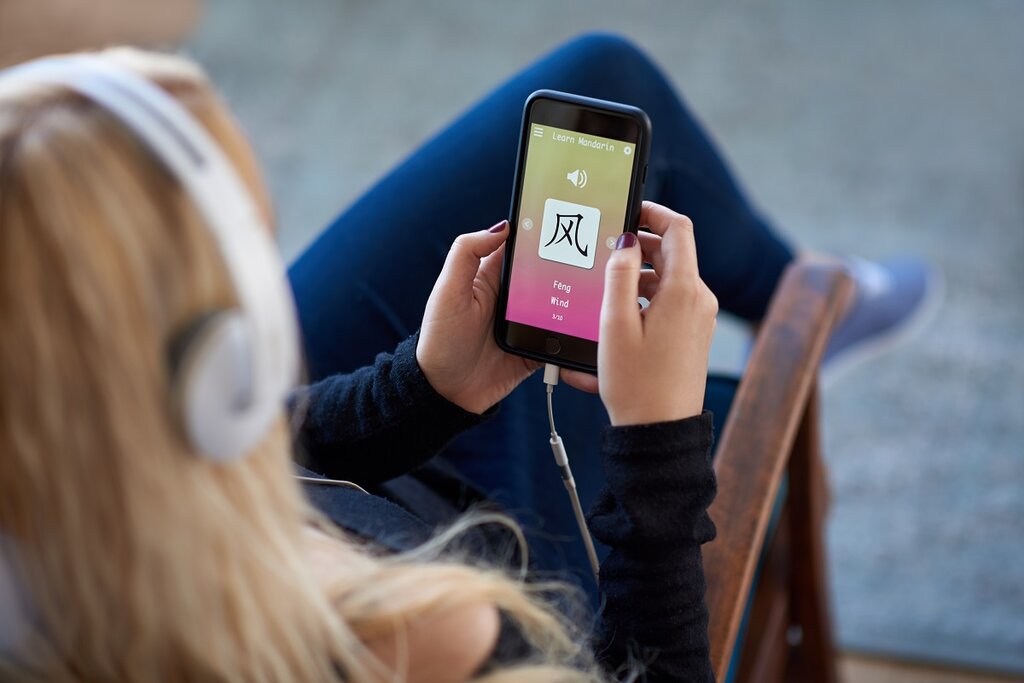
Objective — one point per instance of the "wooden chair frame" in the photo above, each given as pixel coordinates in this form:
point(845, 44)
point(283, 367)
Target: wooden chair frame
point(772, 429)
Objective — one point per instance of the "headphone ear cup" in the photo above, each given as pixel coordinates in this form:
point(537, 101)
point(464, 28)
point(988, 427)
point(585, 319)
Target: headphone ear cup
point(214, 387)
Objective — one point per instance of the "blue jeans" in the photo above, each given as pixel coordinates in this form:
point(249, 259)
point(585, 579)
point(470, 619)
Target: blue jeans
point(359, 294)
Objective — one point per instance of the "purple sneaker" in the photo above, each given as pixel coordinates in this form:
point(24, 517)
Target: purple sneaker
point(893, 301)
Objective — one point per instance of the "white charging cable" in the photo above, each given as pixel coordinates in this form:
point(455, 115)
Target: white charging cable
point(562, 460)
point(324, 481)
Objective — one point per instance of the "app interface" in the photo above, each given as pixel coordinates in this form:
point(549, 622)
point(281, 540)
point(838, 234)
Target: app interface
point(572, 210)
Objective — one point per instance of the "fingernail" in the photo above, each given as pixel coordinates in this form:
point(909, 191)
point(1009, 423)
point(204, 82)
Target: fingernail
point(625, 241)
point(498, 227)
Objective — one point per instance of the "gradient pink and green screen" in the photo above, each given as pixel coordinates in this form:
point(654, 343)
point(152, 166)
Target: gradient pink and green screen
point(572, 209)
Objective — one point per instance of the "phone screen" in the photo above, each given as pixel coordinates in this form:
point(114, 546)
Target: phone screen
point(573, 204)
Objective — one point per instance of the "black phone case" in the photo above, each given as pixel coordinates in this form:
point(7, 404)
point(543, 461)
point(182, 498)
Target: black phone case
point(635, 200)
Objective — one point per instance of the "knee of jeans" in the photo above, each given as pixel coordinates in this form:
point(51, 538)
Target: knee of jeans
point(600, 50)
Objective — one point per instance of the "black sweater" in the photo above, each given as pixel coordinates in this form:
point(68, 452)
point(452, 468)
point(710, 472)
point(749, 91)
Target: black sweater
point(385, 420)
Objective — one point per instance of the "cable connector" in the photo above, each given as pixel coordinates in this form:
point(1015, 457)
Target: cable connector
point(562, 460)
point(558, 449)
point(551, 374)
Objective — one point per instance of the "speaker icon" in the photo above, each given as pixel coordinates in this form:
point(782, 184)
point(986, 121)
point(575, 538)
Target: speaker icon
point(577, 177)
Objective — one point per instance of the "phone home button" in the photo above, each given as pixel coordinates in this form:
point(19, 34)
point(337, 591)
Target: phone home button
point(553, 346)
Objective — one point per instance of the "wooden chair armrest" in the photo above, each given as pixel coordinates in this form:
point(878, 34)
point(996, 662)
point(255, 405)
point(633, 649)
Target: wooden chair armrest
point(758, 438)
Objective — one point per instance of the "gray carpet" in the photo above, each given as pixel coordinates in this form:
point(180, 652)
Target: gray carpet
point(869, 127)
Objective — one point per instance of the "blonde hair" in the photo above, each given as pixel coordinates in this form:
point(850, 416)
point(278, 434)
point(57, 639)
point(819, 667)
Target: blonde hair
point(141, 560)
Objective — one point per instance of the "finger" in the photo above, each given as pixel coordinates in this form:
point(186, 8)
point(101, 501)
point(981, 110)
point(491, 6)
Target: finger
point(649, 283)
point(463, 260)
point(678, 247)
point(619, 314)
point(531, 365)
point(489, 274)
point(656, 218)
point(650, 245)
point(579, 380)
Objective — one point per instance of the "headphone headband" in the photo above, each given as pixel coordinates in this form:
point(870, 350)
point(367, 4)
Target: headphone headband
point(241, 369)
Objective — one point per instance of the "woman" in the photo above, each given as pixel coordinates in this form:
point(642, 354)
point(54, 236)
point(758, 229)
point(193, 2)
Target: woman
point(133, 559)
point(362, 286)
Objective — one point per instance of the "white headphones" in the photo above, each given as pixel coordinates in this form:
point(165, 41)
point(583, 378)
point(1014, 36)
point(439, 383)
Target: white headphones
point(232, 370)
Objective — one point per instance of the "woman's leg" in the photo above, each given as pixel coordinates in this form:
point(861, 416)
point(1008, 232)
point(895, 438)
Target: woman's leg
point(362, 285)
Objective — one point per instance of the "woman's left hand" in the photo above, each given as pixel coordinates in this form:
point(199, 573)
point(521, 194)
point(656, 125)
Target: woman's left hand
point(456, 350)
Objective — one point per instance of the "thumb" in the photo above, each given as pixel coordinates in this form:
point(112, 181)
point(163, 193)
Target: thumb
point(619, 310)
point(490, 268)
point(463, 260)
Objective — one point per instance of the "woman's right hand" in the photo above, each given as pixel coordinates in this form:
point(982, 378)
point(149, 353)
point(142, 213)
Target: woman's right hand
point(652, 364)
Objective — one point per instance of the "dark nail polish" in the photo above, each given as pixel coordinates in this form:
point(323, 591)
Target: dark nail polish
point(625, 241)
point(499, 226)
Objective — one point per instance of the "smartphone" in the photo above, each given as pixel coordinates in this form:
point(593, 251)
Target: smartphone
point(579, 185)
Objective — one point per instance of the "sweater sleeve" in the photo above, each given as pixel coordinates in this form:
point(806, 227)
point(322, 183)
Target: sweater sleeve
point(653, 514)
point(378, 422)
